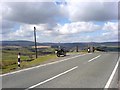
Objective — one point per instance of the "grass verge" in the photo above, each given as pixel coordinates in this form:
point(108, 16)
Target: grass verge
point(26, 64)
point(11, 64)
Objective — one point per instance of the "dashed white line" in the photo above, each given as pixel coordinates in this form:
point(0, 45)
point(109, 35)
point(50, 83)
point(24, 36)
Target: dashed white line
point(42, 65)
point(51, 78)
point(112, 75)
point(94, 58)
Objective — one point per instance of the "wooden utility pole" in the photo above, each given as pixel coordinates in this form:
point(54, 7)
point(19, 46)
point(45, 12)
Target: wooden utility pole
point(35, 41)
point(77, 48)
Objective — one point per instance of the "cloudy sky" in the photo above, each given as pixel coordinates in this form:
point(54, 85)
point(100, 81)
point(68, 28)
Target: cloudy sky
point(63, 21)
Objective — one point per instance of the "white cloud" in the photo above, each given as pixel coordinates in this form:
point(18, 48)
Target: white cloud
point(67, 38)
point(45, 17)
point(77, 27)
point(70, 32)
point(93, 11)
point(7, 26)
point(111, 26)
point(111, 31)
point(48, 12)
point(60, 0)
point(32, 12)
point(93, 1)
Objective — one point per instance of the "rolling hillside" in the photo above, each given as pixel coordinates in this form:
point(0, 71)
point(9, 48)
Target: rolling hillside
point(30, 43)
point(66, 45)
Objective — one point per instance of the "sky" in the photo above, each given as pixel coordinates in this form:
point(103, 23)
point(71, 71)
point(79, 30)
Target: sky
point(60, 20)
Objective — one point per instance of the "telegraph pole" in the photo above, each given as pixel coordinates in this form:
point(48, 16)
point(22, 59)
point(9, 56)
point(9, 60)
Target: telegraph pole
point(35, 41)
point(77, 48)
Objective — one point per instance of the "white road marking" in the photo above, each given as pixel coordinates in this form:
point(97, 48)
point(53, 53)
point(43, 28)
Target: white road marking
point(94, 58)
point(112, 75)
point(42, 65)
point(51, 78)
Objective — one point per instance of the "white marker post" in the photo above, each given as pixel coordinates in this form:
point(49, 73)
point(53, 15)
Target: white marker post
point(18, 59)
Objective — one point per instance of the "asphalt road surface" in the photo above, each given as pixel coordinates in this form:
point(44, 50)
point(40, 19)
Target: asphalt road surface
point(93, 70)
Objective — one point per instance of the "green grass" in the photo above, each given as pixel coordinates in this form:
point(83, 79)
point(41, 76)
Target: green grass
point(39, 60)
point(9, 68)
point(80, 52)
point(12, 54)
point(114, 46)
point(9, 59)
point(13, 67)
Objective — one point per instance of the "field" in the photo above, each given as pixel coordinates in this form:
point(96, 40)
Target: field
point(8, 62)
point(9, 58)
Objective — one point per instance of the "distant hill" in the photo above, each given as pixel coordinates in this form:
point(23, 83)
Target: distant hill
point(69, 46)
point(30, 43)
point(25, 43)
point(17, 43)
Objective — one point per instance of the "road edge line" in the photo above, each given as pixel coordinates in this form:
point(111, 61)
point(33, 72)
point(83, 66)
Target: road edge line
point(112, 75)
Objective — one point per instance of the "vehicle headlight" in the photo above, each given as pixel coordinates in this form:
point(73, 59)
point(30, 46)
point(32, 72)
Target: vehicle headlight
point(55, 51)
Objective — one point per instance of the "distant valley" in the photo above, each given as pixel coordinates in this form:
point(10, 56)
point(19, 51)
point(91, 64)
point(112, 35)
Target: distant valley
point(80, 45)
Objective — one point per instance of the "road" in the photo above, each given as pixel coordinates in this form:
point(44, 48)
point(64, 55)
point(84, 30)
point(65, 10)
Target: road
point(91, 70)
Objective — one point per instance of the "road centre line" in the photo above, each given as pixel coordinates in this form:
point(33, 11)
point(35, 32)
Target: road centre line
point(112, 74)
point(42, 65)
point(94, 58)
point(47, 80)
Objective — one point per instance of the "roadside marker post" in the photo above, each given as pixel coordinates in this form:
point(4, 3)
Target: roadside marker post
point(18, 59)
